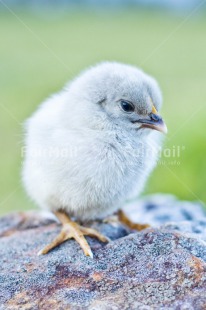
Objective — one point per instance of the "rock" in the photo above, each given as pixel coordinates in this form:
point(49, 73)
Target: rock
point(159, 268)
point(159, 209)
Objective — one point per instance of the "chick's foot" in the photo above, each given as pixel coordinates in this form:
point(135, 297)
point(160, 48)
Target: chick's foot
point(126, 221)
point(71, 230)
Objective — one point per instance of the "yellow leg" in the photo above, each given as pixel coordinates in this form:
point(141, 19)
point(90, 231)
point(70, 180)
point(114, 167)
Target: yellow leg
point(71, 230)
point(126, 221)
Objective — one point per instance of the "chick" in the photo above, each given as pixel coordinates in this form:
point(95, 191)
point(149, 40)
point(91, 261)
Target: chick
point(92, 146)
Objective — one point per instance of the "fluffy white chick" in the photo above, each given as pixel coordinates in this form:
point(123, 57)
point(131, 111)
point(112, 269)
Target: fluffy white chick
point(92, 146)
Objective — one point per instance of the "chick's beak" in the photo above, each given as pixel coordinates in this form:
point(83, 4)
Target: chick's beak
point(155, 122)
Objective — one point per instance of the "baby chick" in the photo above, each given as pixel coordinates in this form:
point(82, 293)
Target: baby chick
point(92, 146)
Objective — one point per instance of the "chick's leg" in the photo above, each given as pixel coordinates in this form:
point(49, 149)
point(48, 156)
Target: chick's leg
point(126, 221)
point(71, 230)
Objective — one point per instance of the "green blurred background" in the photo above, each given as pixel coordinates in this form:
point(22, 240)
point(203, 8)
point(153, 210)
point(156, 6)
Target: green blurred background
point(39, 54)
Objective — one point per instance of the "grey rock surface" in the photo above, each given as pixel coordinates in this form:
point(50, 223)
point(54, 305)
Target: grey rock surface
point(159, 209)
point(158, 268)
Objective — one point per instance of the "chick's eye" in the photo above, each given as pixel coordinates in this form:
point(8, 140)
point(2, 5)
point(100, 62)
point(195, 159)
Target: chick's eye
point(126, 106)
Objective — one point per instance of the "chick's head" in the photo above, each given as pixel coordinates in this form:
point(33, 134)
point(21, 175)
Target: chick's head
point(119, 95)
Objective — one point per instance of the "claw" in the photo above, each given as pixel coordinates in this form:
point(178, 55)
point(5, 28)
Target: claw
point(70, 230)
point(126, 221)
point(90, 253)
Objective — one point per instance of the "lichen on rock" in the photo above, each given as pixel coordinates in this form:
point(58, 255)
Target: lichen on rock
point(162, 267)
